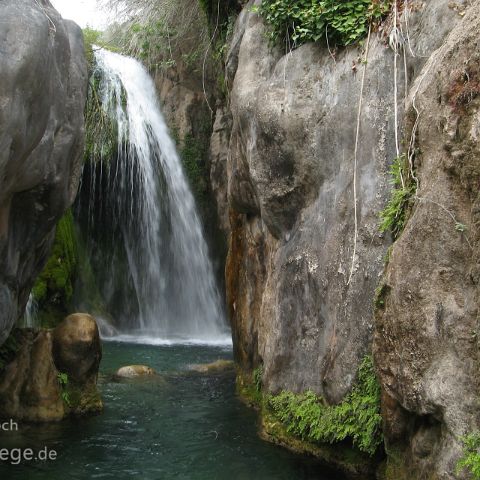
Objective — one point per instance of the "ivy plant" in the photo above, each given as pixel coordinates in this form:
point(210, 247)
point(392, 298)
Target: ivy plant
point(342, 23)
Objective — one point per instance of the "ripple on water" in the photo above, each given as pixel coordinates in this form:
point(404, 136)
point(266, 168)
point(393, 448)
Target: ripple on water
point(188, 426)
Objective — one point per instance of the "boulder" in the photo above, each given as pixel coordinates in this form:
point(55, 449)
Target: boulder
point(77, 349)
point(29, 386)
point(47, 375)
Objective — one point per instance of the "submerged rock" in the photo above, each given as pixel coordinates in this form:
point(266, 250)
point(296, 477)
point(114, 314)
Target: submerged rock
point(217, 366)
point(132, 371)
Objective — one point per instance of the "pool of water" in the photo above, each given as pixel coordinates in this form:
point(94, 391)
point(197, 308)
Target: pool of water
point(180, 425)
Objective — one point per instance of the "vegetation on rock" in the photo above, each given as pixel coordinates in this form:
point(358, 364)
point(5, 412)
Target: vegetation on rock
point(357, 417)
point(394, 215)
point(101, 132)
point(53, 288)
point(63, 381)
point(161, 34)
point(308, 417)
point(470, 461)
point(341, 23)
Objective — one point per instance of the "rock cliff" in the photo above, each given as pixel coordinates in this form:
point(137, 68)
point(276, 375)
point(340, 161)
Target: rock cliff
point(42, 94)
point(297, 303)
point(426, 342)
point(312, 136)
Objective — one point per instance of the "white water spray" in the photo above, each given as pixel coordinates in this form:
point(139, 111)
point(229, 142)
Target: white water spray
point(153, 209)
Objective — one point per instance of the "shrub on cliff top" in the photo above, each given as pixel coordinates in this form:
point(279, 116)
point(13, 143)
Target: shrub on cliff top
point(357, 417)
point(343, 23)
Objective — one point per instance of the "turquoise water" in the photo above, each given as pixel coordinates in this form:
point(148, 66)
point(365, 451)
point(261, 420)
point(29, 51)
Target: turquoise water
point(180, 425)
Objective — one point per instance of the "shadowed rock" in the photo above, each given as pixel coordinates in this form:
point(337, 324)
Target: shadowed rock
point(43, 80)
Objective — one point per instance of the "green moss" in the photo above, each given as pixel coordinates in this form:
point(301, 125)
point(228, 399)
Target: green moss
point(53, 289)
point(83, 399)
point(295, 23)
point(257, 378)
point(193, 158)
point(356, 418)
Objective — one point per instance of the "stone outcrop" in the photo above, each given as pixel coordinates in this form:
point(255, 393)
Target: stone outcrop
point(298, 305)
point(426, 342)
point(51, 374)
point(29, 387)
point(43, 83)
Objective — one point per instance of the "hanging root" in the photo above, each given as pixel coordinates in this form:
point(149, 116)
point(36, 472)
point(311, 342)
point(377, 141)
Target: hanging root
point(206, 56)
point(355, 159)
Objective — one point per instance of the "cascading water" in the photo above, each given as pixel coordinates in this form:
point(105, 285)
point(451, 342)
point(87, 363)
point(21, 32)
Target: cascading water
point(30, 318)
point(151, 212)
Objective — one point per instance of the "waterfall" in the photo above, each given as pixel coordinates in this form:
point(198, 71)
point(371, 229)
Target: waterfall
point(30, 318)
point(156, 259)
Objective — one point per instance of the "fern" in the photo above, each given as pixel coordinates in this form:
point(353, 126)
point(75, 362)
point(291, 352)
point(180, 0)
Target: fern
point(357, 417)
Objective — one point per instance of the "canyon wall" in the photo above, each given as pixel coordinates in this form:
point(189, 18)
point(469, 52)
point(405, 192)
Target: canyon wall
point(298, 303)
point(305, 253)
point(43, 80)
point(426, 343)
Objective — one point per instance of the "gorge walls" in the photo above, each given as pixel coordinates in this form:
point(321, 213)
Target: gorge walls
point(298, 304)
point(426, 343)
point(303, 265)
point(43, 79)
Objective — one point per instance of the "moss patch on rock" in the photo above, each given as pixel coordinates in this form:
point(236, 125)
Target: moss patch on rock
point(53, 289)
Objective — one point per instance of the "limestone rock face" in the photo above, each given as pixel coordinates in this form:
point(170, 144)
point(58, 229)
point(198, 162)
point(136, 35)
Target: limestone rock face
point(43, 80)
point(426, 342)
point(298, 304)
